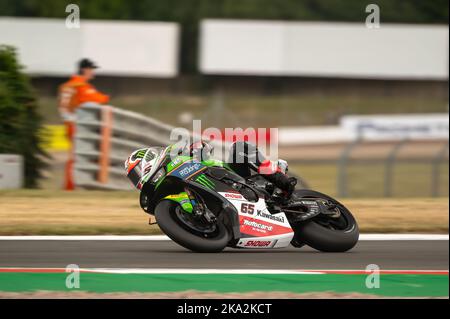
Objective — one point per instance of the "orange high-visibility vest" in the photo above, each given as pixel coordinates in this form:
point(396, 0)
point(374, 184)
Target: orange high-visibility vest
point(77, 91)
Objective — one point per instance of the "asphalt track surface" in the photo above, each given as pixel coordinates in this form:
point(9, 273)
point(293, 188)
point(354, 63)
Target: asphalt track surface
point(388, 255)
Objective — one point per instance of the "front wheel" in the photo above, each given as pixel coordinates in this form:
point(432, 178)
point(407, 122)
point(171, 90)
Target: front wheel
point(188, 231)
point(327, 233)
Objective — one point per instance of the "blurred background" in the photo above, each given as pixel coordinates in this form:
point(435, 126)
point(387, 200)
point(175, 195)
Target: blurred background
point(361, 110)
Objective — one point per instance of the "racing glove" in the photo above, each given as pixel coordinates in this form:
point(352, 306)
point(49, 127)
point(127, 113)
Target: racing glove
point(275, 172)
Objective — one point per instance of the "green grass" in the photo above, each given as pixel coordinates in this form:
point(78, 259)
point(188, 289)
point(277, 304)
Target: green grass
point(390, 284)
point(263, 111)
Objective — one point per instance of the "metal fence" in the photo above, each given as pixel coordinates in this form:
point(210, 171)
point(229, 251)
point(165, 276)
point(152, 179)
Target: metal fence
point(105, 136)
point(390, 162)
point(403, 168)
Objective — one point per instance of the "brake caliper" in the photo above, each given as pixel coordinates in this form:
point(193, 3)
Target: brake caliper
point(199, 209)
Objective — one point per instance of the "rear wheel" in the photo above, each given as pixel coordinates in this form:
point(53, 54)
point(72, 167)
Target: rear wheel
point(190, 231)
point(328, 233)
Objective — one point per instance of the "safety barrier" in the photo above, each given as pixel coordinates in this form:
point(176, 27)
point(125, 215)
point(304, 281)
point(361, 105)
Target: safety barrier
point(104, 138)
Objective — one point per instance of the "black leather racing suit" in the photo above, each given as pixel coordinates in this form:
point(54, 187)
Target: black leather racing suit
point(245, 157)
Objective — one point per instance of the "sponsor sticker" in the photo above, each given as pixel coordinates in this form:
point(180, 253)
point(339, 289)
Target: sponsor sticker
point(233, 196)
point(258, 228)
point(258, 243)
point(255, 224)
point(188, 170)
point(270, 216)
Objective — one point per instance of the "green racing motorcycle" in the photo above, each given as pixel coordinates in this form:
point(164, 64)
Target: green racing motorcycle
point(205, 206)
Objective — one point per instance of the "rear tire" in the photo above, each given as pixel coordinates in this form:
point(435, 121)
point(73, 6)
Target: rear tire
point(319, 237)
point(165, 212)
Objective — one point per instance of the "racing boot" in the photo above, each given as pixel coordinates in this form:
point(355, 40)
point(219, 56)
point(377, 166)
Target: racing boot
point(283, 182)
point(275, 172)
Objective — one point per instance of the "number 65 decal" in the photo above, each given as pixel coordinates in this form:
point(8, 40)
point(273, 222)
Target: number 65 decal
point(247, 208)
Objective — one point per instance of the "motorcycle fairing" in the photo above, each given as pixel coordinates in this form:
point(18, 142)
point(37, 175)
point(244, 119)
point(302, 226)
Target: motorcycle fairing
point(187, 170)
point(279, 241)
point(258, 227)
point(248, 230)
point(177, 162)
point(183, 200)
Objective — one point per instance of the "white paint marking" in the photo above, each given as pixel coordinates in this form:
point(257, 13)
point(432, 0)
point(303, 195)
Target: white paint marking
point(200, 271)
point(218, 271)
point(167, 270)
point(362, 237)
point(90, 237)
point(403, 237)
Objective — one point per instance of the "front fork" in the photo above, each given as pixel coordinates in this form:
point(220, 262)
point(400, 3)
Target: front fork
point(199, 208)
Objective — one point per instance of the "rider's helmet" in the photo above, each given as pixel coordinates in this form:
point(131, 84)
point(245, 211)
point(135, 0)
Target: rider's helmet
point(140, 163)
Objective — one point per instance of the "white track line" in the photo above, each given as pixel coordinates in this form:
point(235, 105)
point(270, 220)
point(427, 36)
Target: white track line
point(363, 237)
point(168, 270)
point(216, 271)
point(403, 237)
point(90, 237)
point(243, 271)
point(199, 271)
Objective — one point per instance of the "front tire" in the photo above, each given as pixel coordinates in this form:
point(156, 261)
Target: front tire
point(316, 234)
point(166, 213)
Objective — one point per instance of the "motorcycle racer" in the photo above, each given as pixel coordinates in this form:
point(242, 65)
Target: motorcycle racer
point(206, 205)
point(244, 157)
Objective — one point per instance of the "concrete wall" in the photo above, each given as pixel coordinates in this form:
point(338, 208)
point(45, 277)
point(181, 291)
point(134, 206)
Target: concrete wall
point(47, 47)
point(394, 51)
point(11, 171)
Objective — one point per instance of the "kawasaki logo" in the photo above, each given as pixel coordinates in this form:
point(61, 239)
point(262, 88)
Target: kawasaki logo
point(189, 169)
point(270, 216)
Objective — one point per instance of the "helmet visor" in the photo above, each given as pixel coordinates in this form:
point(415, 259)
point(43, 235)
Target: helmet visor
point(135, 174)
